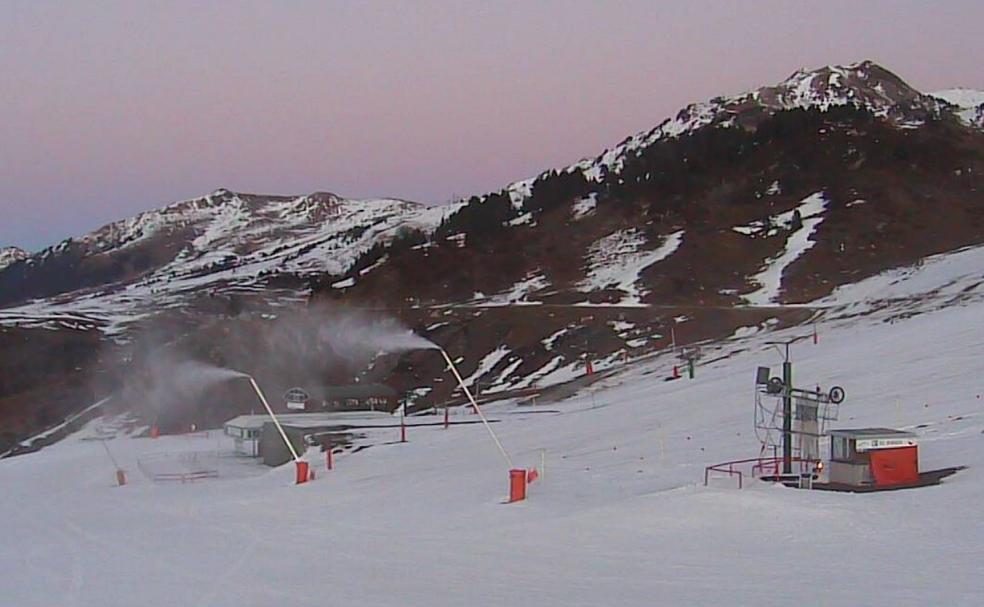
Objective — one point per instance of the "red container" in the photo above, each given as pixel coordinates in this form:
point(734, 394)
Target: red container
point(517, 485)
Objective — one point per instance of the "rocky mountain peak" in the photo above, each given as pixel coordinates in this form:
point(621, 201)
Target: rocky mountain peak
point(10, 255)
point(865, 84)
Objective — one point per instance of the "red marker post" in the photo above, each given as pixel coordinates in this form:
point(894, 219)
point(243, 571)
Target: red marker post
point(302, 472)
point(517, 485)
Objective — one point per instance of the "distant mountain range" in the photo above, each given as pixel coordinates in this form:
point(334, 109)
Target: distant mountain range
point(715, 219)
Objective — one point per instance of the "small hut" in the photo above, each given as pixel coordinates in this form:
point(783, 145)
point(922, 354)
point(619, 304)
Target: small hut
point(873, 457)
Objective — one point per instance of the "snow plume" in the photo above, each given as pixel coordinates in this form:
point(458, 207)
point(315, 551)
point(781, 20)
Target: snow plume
point(167, 386)
point(197, 379)
point(359, 332)
point(346, 337)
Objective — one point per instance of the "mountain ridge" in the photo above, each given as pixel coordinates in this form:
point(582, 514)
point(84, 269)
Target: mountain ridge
point(11, 255)
point(734, 215)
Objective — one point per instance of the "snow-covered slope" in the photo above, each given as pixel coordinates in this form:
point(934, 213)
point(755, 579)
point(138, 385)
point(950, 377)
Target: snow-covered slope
point(229, 243)
point(9, 255)
point(620, 515)
point(969, 103)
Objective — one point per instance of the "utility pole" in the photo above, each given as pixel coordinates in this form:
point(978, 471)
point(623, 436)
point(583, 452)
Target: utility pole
point(787, 415)
point(787, 403)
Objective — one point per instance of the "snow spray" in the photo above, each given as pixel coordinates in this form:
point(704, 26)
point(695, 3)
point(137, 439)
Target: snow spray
point(172, 383)
point(322, 343)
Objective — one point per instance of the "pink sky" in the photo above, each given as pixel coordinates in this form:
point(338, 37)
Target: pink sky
point(111, 108)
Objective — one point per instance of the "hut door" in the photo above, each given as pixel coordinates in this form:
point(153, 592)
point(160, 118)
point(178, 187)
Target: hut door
point(895, 466)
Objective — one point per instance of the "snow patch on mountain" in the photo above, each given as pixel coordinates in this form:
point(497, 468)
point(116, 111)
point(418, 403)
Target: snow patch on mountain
point(615, 262)
point(584, 207)
point(11, 255)
point(969, 103)
point(519, 293)
point(769, 278)
point(485, 366)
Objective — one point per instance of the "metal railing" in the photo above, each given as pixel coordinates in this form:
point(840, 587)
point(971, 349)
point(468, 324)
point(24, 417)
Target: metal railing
point(754, 467)
point(184, 467)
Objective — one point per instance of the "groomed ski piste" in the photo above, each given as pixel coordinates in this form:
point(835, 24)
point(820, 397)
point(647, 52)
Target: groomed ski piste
point(620, 515)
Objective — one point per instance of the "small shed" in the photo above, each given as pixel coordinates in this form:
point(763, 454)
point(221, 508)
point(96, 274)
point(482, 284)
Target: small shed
point(880, 457)
point(245, 431)
point(272, 447)
point(257, 435)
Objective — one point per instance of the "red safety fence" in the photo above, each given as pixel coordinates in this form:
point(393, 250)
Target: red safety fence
point(754, 467)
